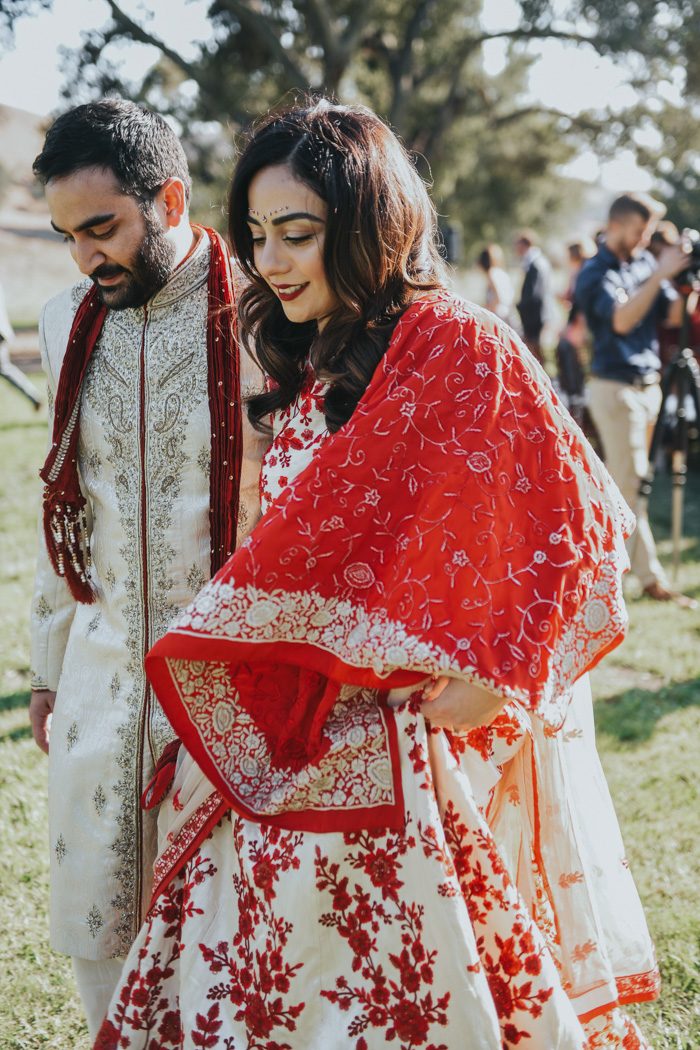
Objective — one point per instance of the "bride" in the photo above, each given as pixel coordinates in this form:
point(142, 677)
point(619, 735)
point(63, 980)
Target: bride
point(388, 822)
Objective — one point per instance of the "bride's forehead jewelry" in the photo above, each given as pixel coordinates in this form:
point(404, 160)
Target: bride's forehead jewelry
point(266, 216)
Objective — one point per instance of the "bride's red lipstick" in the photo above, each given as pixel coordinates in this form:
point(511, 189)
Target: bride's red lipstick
point(286, 296)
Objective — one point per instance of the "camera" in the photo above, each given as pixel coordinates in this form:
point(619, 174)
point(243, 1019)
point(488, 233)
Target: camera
point(690, 239)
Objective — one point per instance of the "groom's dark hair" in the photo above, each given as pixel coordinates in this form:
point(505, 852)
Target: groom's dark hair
point(137, 145)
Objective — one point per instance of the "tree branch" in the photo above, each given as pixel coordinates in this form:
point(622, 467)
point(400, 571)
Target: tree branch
point(472, 44)
point(126, 25)
point(335, 58)
point(353, 31)
point(320, 20)
point(261, 27)
point(456, 99)
point(534, 34)
point(400, 64)
point(449, 110)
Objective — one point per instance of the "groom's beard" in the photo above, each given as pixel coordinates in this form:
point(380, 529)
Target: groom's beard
point(149, 270)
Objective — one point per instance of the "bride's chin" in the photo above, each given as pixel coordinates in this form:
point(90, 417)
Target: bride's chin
point(298, 316)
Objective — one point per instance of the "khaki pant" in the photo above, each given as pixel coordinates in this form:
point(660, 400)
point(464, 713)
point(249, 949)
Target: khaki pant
point(624, 417)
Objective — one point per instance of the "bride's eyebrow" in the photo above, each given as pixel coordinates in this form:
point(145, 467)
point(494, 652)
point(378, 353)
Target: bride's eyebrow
point(287, 218)
point(296, 215)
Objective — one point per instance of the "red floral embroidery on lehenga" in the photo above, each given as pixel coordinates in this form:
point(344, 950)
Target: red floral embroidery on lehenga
point(396, 996)
point(398, 1001)
point(391, 986)
point(614, 1031)
point(144, 1006)
point(257, 980)
point(506, 955)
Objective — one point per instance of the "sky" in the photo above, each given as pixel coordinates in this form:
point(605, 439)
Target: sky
point(568, 77)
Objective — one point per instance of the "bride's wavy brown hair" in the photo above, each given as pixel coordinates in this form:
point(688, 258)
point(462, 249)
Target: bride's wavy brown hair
point(380, 251)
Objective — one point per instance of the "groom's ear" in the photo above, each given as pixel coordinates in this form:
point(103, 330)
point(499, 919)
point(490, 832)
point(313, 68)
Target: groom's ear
point(171, 201)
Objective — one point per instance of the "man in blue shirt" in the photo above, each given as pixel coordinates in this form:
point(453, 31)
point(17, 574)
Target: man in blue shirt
point(625, 294)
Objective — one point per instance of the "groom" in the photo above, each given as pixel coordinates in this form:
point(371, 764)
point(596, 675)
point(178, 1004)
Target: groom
point(140, 502)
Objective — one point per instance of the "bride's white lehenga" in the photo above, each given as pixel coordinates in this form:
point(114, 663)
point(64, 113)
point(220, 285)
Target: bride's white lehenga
point(501, 914)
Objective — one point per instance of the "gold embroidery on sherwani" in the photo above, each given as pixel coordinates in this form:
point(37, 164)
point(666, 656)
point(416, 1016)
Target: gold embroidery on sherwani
point(148, 458)
point(144, 420)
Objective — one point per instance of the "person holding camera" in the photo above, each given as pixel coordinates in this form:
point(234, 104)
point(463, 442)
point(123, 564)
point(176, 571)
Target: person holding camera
point(625, 294)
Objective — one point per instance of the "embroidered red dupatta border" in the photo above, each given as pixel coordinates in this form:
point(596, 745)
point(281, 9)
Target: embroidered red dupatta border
point(459, 524)
point(368, 809)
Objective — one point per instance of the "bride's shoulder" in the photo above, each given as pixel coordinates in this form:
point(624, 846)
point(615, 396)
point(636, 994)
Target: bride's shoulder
point(436, 313)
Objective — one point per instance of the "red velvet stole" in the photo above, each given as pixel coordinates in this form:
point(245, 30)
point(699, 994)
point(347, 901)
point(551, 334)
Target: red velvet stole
point(458, 524)
point(65, 526)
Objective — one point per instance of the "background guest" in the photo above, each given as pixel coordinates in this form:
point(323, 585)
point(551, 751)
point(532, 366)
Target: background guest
point(500, 295)
point(625, 294)
point(534, 305)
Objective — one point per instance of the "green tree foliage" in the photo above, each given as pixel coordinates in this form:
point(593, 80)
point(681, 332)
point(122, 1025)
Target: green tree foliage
point(681, 190)
point(490, 150)
point(11, 10)
point(675, 158)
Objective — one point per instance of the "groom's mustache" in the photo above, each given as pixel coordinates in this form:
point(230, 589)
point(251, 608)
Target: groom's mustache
point(106, 271)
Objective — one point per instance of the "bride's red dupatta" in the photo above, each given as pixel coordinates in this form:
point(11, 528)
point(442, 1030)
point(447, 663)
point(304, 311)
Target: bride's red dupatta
point(458, 524)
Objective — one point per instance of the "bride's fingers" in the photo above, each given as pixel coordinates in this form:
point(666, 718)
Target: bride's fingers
point(437, 687)
point(441, 711)
point(459, 710)
point(446, 722)
point(397, 697)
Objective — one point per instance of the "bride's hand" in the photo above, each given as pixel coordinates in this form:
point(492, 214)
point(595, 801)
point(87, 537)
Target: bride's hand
point(454, 704)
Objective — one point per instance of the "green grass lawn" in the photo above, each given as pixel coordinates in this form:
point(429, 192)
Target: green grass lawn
point(648, 716)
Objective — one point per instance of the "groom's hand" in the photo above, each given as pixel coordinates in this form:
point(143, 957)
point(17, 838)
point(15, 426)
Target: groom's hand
point(40, 711)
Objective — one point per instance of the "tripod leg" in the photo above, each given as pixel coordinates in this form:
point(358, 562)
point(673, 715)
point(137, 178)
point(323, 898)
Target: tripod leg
point(679, 458)
point(678, 470)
